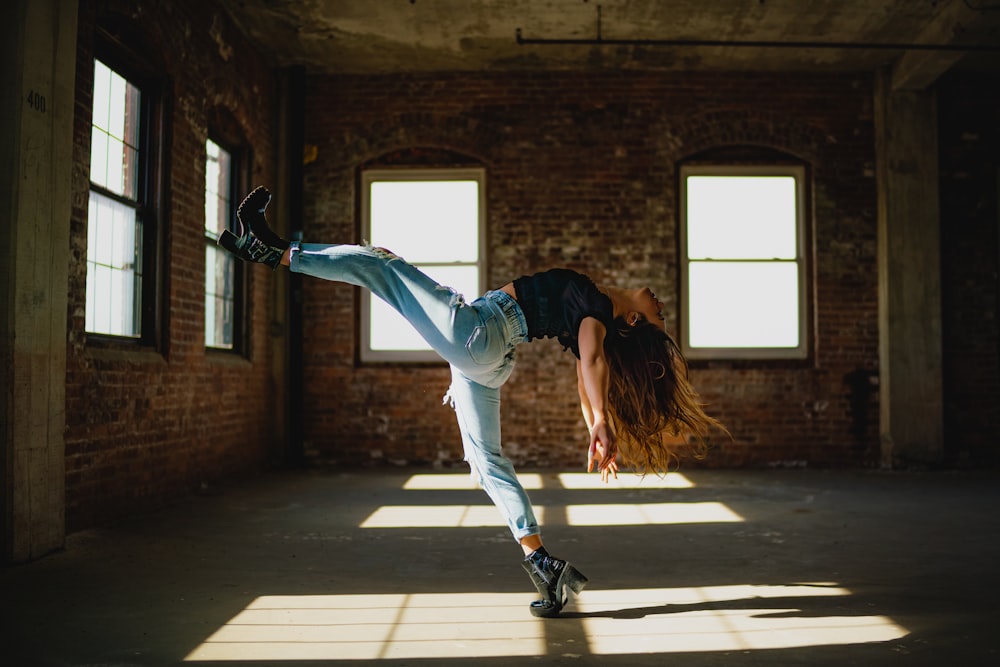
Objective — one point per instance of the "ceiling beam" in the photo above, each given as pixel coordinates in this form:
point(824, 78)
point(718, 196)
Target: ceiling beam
point(957, 23)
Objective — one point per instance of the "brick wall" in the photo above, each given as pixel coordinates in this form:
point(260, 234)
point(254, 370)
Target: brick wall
point(969, 109)
point(582, 172)
point(144, 425)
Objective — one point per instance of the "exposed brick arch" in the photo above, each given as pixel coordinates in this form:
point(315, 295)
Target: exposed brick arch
point(715, 129)
point(454, 134)
point(421, 156)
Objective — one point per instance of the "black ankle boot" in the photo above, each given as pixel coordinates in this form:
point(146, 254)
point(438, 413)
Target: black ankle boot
point(551, 577)
point(257, 243)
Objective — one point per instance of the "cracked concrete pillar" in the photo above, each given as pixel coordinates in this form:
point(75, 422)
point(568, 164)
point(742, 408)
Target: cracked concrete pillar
point(909, 267)
point(38, 70)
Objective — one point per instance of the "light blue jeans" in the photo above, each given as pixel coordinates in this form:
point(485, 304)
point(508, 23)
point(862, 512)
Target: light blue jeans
point(476, 339)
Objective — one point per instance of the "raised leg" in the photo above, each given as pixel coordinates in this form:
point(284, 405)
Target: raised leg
point(438, 313)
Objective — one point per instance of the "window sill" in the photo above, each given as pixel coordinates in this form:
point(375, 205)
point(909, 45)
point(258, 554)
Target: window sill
point(227, 358)
point(108, 349)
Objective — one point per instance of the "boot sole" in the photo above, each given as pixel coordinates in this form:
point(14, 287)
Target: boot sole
point(228, 240)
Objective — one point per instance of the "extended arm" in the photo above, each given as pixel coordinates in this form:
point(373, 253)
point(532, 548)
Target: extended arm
point(581, 388)
point(593, 383)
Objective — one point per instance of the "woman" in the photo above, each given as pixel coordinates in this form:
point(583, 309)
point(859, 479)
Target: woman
point(631, 377)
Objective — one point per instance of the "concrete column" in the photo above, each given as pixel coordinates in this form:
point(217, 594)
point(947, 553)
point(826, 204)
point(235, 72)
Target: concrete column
point(286, 352)
point(36, 158)
point(909, 275)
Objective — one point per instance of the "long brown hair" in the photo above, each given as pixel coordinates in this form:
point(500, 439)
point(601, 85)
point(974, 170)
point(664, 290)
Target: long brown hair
point(650, 397)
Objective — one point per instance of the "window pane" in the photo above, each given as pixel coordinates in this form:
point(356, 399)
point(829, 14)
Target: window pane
point(219, 298)
point(218, 171)
point(741, 217)
point(98, 156)
point(116, 105)
point(114, 160)
point(114, 275)
point(743, 304)
point(220, 267)
point(389, 331)
point(115, 178)
point(102, 95)
point(426, 221)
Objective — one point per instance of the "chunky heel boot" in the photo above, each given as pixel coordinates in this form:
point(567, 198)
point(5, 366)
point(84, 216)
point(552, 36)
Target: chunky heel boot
point(554, 579)
point(258, 242)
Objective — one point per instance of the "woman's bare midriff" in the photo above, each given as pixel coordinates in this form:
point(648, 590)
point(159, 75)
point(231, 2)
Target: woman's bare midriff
point(509, 289)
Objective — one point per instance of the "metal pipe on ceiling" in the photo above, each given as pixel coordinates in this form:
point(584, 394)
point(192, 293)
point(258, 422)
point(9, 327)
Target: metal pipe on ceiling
point(760, 44)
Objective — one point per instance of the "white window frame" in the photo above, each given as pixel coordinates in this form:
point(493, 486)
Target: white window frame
point(801, 350)
point(370, 176)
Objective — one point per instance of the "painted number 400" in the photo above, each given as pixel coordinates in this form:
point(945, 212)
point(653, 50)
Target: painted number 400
point(36, 101)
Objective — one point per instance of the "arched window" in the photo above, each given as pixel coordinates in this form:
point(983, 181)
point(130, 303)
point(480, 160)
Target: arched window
point(123, 218)
point(227, 172)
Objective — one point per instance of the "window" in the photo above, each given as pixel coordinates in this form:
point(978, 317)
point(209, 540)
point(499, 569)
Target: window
point(121, 229)
point(221, 270)
point(433, 218)
point(743, 262)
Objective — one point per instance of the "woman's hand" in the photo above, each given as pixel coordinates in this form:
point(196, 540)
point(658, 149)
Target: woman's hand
point(603, 450)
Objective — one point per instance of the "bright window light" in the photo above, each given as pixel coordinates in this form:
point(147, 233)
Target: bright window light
point(741, 217)
point(459, 625)
point(220, 266)
point(114, 281)
point(743, 265)
point(114, 133)
point(410, 216)
point(434, 219)
point(765, 295)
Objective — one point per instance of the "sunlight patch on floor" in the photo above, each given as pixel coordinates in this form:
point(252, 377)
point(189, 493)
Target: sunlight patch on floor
point(566, 480)
point(460, 625)
point(650, 514)
point(462, 482)
point(477, 516)
point(372, 627)
point(725, 618)
point(582, 480)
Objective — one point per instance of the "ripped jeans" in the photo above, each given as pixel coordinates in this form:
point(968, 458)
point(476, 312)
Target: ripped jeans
point(476, 339)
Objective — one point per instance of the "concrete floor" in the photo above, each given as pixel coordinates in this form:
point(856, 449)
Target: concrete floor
point(711, 568)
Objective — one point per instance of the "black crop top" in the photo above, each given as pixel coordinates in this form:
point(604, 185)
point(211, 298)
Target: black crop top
point(556, 301)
